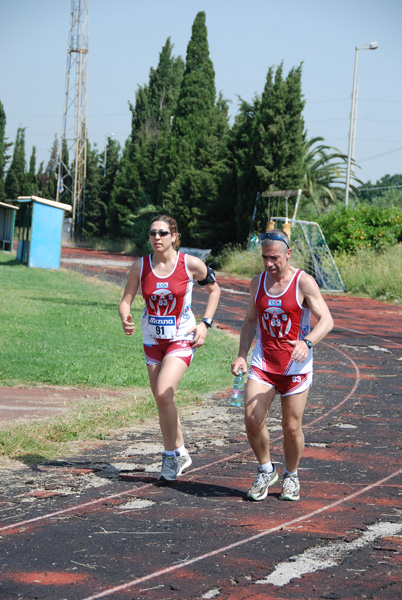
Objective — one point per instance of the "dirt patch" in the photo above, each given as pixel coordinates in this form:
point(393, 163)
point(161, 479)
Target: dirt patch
point(22, 403)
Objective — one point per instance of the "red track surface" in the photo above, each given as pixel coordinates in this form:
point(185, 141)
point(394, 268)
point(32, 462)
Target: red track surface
point(132, 539)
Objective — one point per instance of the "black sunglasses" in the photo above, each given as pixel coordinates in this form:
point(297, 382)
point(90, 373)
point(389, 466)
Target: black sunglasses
point(162, 233)
point(273, 236)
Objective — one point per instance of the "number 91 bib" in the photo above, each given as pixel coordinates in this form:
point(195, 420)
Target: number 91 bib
point(163, 328)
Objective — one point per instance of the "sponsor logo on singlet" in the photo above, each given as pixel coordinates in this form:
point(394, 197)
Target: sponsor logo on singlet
point(272, 302)
point(161, 320)
point(161, 285)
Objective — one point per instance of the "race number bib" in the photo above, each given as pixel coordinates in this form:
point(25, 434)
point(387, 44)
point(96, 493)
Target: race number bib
point(162, 327)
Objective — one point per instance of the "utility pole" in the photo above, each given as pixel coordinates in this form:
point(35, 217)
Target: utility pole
point(73, 146)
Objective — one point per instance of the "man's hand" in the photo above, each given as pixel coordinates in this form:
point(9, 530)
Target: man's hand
point(300, 351)
point(237, 364)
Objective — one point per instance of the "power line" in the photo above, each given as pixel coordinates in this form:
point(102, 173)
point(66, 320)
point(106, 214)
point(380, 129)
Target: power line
point(379, 155)
point(386, 187)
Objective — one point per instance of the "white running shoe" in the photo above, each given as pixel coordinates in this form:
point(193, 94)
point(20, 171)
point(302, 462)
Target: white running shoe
point(259, 489)
point(184, 462)
point(290, 488)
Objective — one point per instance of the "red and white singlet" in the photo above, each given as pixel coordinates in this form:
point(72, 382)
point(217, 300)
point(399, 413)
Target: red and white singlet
point(280, 318)
point(167, 314)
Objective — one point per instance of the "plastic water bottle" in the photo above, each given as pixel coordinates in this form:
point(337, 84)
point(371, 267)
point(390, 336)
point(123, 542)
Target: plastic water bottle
point(238, 390)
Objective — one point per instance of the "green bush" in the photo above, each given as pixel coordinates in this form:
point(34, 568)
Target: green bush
point(351, 229)
point(373, 273)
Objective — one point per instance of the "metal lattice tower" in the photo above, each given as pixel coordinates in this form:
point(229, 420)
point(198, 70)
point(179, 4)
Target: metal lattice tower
point(73, 148)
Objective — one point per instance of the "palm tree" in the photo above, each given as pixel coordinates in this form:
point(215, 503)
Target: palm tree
point(324, 173)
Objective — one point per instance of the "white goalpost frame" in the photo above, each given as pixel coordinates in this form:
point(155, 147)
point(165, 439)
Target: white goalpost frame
point(314, 257)
point(323, 267)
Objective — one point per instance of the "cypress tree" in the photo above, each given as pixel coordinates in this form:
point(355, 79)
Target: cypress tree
point(15, 178)
point(137, 187)
point(243, 165)
point(47, 184)
point(31, 182)
point(4, 145)
point(197, 171)
point(268, 146)
point(94, 212)
point(280, 131)
point(152, 115)
point(109, 173)
point(124, 202)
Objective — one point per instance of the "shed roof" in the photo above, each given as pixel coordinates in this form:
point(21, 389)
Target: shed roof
point(9, 206)
point(45, 201)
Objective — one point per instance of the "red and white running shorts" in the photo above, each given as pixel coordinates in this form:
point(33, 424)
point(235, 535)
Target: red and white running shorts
point(181, 348)
point(286, 385)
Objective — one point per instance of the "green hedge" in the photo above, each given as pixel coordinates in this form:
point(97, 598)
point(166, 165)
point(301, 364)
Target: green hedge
point(350, 229)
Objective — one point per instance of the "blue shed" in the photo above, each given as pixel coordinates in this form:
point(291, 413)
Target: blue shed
point(40, 232)
point(7, 223)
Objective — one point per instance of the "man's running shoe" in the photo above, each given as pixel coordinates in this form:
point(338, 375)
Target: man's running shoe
point(184, 462)
point(259, 489)
point(290, 488)
point(170, 468)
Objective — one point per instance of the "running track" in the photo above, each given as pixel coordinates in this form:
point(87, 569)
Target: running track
point(202, 539)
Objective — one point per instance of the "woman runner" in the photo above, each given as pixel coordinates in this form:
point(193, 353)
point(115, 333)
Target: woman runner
point(170, 332)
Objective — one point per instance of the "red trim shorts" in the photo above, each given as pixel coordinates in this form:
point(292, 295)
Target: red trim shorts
point(155, 354)
point(286, 385)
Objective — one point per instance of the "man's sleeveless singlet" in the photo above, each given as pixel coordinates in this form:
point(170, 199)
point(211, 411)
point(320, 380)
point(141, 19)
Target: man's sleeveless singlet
point(167, 314)
point(280, 318)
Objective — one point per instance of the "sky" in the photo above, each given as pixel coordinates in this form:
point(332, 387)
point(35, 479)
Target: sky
point(245, 39)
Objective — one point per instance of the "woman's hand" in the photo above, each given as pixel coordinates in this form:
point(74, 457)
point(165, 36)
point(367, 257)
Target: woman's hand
point(200, 334)
point(128, 325)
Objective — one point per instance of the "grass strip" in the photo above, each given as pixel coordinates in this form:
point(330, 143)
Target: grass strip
point(84, 422)
point(61, 328)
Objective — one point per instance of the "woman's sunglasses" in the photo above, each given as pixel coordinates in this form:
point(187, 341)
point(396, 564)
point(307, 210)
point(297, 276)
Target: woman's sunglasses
point(162, 233)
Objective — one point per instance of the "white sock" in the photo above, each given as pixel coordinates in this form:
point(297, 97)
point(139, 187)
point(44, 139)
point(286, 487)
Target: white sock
point(169, 452)
point(181, 451)
point(286, 472)
point(267, 467)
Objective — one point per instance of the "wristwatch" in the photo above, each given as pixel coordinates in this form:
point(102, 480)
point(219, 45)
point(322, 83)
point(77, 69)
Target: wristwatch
point(208, 322)
point(308, 342)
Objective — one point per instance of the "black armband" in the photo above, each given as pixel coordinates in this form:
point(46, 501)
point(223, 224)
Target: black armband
point(210, 278)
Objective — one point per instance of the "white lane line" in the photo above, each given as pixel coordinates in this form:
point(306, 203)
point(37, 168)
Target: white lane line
point(330, 555)
point(234, 291)
point(97, 262)
point(248, 540)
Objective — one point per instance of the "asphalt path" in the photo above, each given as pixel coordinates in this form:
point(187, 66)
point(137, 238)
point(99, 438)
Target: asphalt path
point(98, 526)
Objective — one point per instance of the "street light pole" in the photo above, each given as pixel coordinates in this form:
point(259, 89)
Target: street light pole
point(353, 111)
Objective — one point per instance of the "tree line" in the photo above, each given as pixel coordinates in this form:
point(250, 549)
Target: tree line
point(183, 157)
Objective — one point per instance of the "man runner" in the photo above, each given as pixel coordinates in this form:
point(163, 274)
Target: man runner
point(281, 301)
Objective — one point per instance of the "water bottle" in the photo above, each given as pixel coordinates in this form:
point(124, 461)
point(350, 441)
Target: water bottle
point(238, 390)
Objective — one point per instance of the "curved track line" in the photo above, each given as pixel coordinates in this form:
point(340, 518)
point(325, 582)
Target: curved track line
point(92, 503)
point(284, 525)
point(352, 391)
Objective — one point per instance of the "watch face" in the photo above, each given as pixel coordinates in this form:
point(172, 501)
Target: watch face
point(309, 344)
